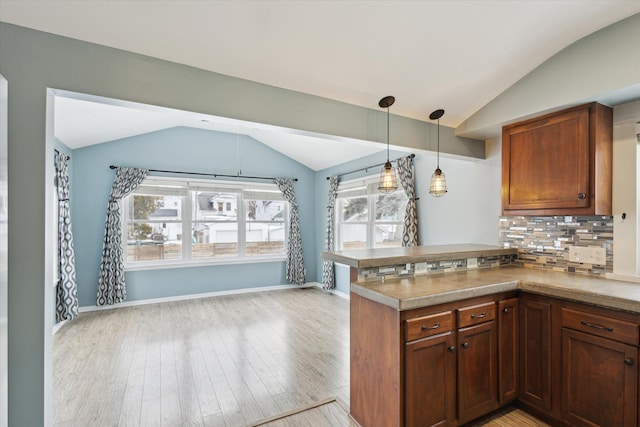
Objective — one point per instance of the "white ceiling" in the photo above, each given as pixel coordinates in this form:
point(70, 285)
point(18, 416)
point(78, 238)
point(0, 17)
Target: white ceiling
point(456, 55)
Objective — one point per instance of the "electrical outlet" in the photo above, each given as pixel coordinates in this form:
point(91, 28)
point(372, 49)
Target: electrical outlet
point(588, 255)
point(472, 262)
point(599, 256)
point(421, 268)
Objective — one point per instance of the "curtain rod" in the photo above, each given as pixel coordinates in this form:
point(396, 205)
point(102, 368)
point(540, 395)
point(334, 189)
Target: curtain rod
point(68, 156)
point(215, 175)
point(410, 156)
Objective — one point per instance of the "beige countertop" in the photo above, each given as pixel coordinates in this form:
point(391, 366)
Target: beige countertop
point(428, 290)
point(380, 257)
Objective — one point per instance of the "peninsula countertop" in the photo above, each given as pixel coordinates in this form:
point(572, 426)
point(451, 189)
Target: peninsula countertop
point(432, 289)
point(363, 258)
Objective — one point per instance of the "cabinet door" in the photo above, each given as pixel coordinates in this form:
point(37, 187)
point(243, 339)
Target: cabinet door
point(508, 349)
point(600, 381)
point(535, 354)
point(477, 371)
point(430, 381)
point(546, 162)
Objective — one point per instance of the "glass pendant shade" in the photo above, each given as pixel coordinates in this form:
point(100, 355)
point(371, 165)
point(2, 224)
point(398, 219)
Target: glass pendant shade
point(388, 180)
point(438, 184)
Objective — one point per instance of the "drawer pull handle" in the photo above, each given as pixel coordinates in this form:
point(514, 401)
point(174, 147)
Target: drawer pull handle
point(465, 345)
point(628, 362)
point(507, 309)
point(436, 326)
point(591, 325)
point(479, 316)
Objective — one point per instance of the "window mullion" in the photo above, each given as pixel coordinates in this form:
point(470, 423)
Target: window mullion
point(371, 221)
point(242, 226)
point(187, 226)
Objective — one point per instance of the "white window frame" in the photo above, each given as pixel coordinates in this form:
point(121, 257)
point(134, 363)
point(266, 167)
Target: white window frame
point(367, 187)
point(185, 188)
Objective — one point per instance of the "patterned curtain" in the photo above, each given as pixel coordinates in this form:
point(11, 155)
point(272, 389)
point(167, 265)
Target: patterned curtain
point(295, 261)
point(67, 289)
point(111, 286)
point(328, 267)
point(410, 229)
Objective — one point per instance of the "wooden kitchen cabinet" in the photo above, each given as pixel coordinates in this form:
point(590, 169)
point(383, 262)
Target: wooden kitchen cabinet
point(600, 375)
point(507, 350)
point(559, 164)
point(430, 384)
point(477, 371)
point(535, 353)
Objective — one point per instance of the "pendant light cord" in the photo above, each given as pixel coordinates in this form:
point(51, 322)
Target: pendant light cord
point(387, 134)
point(438, 161)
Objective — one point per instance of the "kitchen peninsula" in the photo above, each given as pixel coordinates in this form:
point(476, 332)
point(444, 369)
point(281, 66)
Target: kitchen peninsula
point(446, 348)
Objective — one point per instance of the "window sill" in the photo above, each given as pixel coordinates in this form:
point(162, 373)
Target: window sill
point(202, 263)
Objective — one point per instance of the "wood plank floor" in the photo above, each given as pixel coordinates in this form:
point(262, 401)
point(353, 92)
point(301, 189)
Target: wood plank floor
point(226, 361)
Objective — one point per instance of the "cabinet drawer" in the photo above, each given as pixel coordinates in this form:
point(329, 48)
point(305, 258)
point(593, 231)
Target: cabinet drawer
point(426, 326)
point(475, 314)
point(594, 324)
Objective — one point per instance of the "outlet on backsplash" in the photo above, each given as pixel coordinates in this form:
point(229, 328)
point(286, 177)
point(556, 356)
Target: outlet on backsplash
point(421, 268)
point(588, 255)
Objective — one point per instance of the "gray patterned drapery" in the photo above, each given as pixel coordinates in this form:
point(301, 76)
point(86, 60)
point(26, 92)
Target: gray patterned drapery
point(410, 228)
point(328, 267)
point(67, 288)
point(111, 286)
point(294, 262)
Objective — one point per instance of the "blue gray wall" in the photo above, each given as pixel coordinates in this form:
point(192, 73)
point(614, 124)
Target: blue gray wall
point(180, 149)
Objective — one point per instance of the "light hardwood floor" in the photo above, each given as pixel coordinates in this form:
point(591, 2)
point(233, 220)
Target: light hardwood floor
point(225, 361)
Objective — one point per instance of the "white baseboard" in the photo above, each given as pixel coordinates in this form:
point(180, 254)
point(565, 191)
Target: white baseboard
point(193, 296)
point(332, 291)
point(58, 326)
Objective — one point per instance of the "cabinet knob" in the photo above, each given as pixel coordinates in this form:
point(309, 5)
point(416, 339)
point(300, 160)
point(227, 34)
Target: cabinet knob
point(582, 196)
point(452, 349)
point(628, 362)
point(507, 310)
point(465, 345)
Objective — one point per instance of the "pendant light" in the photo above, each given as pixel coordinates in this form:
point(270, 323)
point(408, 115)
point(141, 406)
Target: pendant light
point(388, 180)
point(438, 184)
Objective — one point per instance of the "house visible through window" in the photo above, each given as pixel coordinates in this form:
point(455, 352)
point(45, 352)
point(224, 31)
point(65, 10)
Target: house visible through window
point(366, 218)
point(251, 225)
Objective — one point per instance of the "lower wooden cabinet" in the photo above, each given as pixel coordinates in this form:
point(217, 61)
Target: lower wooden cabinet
point(430, 384)
point(535, 353)
point(451, 371)
point(600, 381)
point(570, 363)
point(508, 350)
point(477, 371)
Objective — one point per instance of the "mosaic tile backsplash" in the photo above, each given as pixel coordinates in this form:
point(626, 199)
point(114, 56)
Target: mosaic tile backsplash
point(543, 242)
point(378, 273)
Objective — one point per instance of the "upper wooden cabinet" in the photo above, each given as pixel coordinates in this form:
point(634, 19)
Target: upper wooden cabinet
point(559, 164)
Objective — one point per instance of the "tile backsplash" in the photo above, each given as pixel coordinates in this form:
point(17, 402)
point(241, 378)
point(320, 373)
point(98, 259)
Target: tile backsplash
point(433, 267)
point(543, 242)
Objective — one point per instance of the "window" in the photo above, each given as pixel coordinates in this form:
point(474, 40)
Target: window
point(366, 218)
point(224, 221)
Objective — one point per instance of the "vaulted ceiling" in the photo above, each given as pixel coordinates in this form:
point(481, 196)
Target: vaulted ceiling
point(456, 55)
